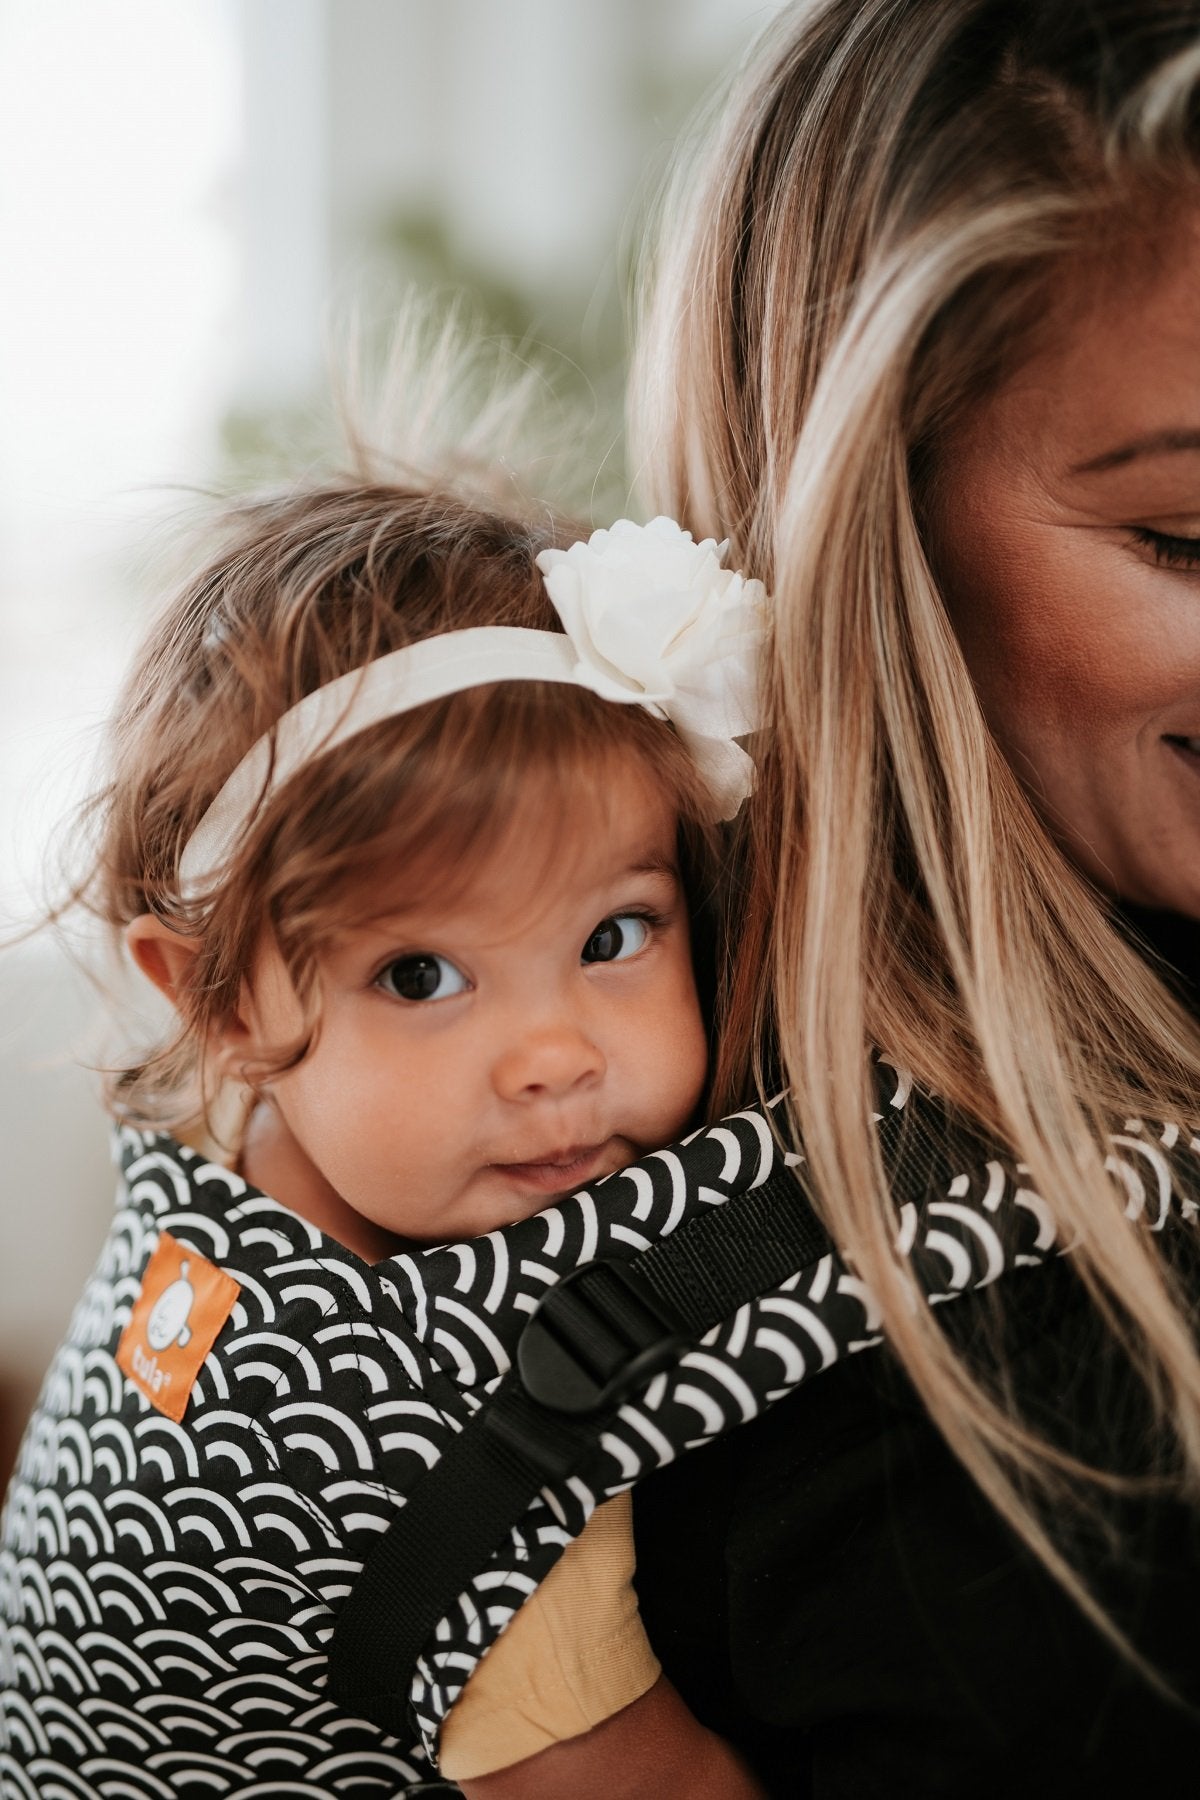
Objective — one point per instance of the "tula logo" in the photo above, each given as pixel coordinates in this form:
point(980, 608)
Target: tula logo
point(184, 1302)
point(152, 1378)
point(168, 1321)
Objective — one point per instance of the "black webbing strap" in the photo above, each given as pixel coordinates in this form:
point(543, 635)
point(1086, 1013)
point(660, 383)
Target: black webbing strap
point(599, 1335)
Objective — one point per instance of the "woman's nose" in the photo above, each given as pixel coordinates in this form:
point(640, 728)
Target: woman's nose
point(548, 1063)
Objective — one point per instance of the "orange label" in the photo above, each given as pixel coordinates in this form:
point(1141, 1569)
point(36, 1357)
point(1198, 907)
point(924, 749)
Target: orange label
point(183, 1304)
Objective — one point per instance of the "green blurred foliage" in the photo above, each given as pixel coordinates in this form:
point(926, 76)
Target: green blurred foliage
point(576, 344)
point(576, 338)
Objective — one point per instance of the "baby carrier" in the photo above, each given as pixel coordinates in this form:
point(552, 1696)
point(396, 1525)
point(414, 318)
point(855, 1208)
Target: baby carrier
point(275, 1504)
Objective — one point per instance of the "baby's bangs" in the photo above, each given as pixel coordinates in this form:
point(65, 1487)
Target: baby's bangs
point(411, 810)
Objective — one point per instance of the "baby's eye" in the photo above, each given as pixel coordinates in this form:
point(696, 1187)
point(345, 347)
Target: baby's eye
point(616, 938)
point(422, 977)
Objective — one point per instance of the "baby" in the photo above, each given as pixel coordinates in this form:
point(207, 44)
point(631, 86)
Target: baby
point(412, 819)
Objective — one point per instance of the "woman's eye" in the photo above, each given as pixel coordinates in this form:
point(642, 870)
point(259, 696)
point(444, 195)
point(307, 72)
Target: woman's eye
point(616, 938)
point(422, 977)
point(1174, 552)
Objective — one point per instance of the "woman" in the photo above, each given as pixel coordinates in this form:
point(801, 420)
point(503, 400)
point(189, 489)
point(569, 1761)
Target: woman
point(924, 343)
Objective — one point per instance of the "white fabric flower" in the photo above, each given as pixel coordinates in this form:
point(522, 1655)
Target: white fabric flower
point(655, 619)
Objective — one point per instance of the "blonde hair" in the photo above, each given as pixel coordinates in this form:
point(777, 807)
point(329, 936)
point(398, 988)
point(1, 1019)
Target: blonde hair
point(860, 253)
point(295, 589)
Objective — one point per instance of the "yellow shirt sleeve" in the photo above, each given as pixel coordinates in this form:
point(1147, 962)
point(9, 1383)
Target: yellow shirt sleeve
point(575, 1654)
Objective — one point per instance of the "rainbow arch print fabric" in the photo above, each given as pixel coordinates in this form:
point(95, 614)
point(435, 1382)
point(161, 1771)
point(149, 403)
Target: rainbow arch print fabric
point(168, 1588)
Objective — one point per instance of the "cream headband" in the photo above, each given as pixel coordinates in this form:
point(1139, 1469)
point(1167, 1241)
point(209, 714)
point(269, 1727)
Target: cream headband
point(650, 619)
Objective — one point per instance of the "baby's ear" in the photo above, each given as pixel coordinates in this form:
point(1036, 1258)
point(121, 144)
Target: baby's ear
point(166, 957)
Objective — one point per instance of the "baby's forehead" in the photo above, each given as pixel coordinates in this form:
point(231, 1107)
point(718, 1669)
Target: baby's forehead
point(550, 863)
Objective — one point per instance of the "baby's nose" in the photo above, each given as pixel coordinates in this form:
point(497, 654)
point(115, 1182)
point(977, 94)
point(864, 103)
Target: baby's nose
point(548, 1063)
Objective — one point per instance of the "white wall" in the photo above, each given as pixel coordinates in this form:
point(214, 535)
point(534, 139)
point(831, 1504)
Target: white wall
point(118, 133)
point(56, 1188)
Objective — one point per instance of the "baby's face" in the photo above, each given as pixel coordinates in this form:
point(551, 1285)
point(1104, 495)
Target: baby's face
point(479, 1058)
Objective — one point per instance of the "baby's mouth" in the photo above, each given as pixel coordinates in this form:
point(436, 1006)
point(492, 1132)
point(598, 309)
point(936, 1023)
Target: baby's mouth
point(561, 1170)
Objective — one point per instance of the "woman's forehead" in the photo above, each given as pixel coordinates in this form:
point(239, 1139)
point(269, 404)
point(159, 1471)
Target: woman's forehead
point(1114, 376)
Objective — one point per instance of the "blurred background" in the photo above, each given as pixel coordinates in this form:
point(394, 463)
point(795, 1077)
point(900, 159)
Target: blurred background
point(194, 198)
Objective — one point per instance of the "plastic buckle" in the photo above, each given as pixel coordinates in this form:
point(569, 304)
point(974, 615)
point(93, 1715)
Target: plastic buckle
point(598, 1334)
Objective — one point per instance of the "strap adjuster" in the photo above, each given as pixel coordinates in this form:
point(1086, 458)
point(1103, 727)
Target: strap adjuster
point(598, 1334)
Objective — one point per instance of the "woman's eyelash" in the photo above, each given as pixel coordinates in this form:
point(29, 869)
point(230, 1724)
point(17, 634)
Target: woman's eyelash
point(1175, 552)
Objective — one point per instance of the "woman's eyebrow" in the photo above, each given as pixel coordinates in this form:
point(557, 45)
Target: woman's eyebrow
point(1156, 443)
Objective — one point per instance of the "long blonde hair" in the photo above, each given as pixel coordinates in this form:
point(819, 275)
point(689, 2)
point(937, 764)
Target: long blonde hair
point(860, 253)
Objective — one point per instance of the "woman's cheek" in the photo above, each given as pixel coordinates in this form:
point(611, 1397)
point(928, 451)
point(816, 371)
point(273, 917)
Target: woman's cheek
point(1064, 636)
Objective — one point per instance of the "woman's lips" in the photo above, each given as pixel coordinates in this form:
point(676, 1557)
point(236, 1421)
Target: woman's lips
point(560, 1173)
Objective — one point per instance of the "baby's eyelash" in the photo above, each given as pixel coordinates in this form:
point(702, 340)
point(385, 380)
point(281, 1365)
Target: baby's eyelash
point(649, 916)
point(1167, 549)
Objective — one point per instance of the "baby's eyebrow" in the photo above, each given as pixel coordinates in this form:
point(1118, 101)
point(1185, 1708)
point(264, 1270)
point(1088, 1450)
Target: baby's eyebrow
point(654, 864)
point(401, 918)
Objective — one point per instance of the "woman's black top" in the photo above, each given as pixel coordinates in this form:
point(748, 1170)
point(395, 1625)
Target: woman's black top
point(829, 1590)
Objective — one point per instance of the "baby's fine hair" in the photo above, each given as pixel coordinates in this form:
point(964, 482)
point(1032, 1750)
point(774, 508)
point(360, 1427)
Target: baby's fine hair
point(296, 589)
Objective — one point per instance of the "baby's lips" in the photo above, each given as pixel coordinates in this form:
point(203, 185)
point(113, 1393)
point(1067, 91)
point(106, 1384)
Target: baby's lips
point(562, 1169)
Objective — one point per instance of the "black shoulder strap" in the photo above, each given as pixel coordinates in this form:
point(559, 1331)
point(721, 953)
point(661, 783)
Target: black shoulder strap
point(601, 1333)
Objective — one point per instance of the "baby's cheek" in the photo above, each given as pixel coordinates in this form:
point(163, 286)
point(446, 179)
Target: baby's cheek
point(683, 1062)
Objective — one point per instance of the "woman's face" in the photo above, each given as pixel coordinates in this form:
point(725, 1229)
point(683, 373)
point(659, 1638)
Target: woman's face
point(1066, 533)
